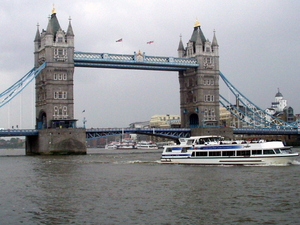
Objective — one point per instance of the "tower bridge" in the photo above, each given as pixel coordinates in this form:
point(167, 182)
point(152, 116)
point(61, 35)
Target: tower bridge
point(54, 63)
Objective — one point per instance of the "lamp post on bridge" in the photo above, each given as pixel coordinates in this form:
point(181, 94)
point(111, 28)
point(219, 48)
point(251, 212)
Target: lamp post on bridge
point(84, 120)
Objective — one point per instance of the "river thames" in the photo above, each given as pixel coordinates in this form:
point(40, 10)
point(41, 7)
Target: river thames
point(132, 187)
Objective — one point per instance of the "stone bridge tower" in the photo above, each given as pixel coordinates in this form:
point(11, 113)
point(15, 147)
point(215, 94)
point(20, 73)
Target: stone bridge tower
point(54, 92)
point(199, 87)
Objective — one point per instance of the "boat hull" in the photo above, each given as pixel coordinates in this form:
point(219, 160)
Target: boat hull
point(266, 160)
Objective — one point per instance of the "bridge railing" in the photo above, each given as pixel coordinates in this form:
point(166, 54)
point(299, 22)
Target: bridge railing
point(90, 59)
point(174, 133)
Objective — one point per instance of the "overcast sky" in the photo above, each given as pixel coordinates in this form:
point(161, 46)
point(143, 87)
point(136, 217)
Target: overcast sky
point(258, 44)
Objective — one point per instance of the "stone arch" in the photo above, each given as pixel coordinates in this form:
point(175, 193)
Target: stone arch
point(194, 120)
point(42, 120)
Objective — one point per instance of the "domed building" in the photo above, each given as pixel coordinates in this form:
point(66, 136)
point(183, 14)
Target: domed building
point(280, 103)
point(280, 109)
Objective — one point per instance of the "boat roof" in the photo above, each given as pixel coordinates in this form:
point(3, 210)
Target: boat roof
point(207, 136)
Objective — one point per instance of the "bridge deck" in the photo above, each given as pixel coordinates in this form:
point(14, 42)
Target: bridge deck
point(174, 133)
point(135, 61)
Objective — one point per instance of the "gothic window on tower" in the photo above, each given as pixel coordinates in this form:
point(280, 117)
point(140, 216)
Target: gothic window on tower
point(60, 54)
point(60, 76)
point(65, 111)
point(60, 95)
point(60, 112)
point(208, 82)
point(55, 111)
point(209, 114)
point(208, 98)
point(208, 62)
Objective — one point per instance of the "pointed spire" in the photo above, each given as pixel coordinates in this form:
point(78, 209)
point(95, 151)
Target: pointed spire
point(70, 29)
point(180, 46)
point(214, 41)
point(49, 27)
point(53, 24)
point(197, 32)
point(37, 35)
point(198, 38)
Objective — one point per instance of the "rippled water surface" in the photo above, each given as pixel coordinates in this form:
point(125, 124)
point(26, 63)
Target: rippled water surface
point(132, 187)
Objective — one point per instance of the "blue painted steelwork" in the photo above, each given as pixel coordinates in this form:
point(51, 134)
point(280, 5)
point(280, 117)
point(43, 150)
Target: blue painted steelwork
point(250, 113)
point(7, 95)
point(18, 132)
point(135, 61)
point(265, 131)
point(173, 133)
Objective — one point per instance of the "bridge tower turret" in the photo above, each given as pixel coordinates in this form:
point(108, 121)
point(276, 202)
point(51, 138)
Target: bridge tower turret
point(54, 90)
point(199, 88)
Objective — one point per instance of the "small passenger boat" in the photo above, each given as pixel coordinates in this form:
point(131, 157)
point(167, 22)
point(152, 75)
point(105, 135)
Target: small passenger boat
point(126, 143)
point(146, 145)
point(213, 150)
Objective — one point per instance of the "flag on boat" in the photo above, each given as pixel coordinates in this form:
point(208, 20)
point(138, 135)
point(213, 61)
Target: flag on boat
point(150, 42)
point(119, 40)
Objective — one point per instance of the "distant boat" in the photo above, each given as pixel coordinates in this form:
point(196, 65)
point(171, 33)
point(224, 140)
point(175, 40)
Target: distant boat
point(126, 143)
point(213, 150)
point(146, 145)
point(111, 145)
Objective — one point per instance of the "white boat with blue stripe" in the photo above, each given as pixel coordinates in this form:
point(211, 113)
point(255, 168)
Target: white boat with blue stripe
point(213, 150)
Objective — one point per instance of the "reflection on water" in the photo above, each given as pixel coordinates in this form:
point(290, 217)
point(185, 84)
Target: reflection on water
point(131, 187)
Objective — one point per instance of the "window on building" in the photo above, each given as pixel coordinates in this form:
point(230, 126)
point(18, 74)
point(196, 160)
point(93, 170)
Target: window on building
point(60, 95)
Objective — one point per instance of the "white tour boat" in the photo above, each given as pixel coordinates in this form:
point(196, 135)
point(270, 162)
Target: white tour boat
point(213, 150)
point(126, 143)
point(111, 145)
point(146, 145)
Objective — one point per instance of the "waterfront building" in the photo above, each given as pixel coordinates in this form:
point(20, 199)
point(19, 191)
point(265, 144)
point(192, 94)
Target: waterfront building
point(225, 117)
point(280, 109)
point(165, 121)
point(280, 103)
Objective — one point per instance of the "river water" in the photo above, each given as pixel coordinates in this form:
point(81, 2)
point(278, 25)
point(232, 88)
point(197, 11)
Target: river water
point(132, 187)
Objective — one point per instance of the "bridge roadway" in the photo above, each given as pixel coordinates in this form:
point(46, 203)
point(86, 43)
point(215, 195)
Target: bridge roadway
point(136, 61)
point(173, 133)
point(93, 133)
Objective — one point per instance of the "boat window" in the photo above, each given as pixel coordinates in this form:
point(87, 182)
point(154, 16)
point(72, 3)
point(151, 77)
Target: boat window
point(184, 149)
point(190, 142)
point(228, 153)
point(169, 150)
point(268, 151)
point(256, 152)
point(201, 141)
point(193, 153)
point(201, 153)
point(243, 153)
point(277, 151)
point(286, 150)
point(214, 153)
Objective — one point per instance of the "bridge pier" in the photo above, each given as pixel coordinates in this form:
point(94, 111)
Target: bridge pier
point(57, 141)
